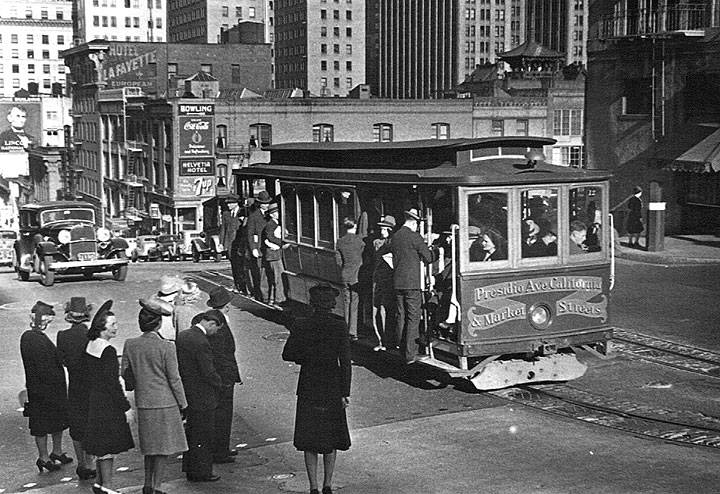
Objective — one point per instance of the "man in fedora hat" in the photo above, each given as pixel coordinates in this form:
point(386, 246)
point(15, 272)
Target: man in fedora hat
point(272, 257)
point(255, 225)
point(383, 293)
point(231, 225)
point(71, 345)
point(202, 385)
point(222, 344)
point(170, 286)
point(408, 251)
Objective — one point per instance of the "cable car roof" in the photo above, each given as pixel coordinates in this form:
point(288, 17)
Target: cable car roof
point(484, 161)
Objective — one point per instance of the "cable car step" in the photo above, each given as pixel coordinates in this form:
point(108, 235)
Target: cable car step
point(500, 374)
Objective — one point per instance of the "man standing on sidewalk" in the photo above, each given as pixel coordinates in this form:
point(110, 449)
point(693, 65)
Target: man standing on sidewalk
point(408, 249)
point(222, 344)
point(255, 224)
point(272, 256)
point(349, 256)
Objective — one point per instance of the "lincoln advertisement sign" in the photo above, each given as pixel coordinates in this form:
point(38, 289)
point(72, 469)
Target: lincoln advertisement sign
point(20, 130)
point(196, 123)
point(133, 65)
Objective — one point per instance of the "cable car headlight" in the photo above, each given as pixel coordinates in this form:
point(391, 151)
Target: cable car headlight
point(103, 234)
point(540, 316)
point(64, 237)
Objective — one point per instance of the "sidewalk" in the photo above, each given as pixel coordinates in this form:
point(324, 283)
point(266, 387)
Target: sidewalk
point(679, 249)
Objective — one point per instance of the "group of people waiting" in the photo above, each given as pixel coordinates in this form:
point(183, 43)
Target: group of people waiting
point(182, 367)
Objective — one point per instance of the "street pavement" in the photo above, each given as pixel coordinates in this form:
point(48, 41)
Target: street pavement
point(500, 449)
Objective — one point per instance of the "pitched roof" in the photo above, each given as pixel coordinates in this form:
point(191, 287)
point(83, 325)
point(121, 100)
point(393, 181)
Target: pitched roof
point(202, 77)
point(530, 49)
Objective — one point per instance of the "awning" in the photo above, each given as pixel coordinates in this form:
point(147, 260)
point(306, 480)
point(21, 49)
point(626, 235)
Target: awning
point(703, 157)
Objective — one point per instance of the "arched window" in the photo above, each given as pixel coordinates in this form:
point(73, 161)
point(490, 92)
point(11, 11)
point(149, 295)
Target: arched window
point(382, 132)
point(222, 175)
point(323, 133)
point(260, 135)
point(221, 136)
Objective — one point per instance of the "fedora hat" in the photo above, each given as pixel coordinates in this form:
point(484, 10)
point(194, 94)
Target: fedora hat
point(219, 297)
point(387, 221)
point(413, 214)
point(169, 285)
point(263, 197)
point(324, 296)
point(211, 315)
point(156, 306)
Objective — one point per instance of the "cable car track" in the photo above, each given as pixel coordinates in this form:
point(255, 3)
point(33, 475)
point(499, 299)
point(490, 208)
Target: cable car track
point(687, 428)
point(668, 353)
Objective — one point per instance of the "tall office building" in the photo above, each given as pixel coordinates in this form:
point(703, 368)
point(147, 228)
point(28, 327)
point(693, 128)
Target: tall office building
point(425, 48)
point(320, 45)
point(560, 25)
point(119, 20)
point(32, 35)
point(203, 21)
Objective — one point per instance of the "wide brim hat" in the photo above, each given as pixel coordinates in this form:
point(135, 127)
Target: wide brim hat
point(156, 306)
point(170, 285)
point(219, 297)
point(387, 222)
point(104, 308)
point(413, 214)
point(263, 197)
point(324, 295)
point(213, 315)
point(190, 288)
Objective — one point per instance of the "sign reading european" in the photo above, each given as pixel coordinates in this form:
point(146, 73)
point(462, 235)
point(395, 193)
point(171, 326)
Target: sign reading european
point(131, 65)
point(196, 122)
point(192, 168)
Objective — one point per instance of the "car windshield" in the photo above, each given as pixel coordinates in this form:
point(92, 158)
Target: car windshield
point(53, 215)
point(8, 235)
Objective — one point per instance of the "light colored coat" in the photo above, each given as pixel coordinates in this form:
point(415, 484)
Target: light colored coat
point(150, 368)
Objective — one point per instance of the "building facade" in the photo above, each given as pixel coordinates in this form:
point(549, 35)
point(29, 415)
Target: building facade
point(561, 25)
point(120, 20)
point(203, 21)
point(319, 46)
point(33, 34)
point(653, 109)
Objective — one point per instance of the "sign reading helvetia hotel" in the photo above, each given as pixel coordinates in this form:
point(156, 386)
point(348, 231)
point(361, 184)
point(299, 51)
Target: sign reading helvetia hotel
point(197, 144)
point(192, 168)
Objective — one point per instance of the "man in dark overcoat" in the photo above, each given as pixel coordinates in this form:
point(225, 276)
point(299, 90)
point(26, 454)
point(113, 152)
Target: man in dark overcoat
point(202, 385)
point(349, 257)
point(272, 257)
point(255, 225)
point(408, 250)
point(222, 344)
point(230, 225)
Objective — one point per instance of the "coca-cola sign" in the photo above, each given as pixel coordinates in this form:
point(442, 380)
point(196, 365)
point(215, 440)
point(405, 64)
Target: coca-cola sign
point(196, 136)
point(196, 125)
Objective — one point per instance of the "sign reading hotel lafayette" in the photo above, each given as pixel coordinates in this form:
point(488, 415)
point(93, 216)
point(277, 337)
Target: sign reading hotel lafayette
point(196, 127)
point(502, 307)
point(192, 168)
point(131, 65)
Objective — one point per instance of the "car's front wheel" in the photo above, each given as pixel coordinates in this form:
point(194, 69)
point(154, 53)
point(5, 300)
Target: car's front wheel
point(47, 277)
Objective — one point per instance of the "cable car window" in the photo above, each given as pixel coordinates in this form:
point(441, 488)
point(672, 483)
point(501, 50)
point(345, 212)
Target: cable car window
point(487, 230)
point(539, 223)
point(290, 221)
point(345, 200)
point(306, 199)
point(325, 218)
point(585, 209)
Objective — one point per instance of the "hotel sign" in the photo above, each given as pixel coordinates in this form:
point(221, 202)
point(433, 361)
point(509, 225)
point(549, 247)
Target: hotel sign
point(196, 127)
point(131, 65)
point(193, 168)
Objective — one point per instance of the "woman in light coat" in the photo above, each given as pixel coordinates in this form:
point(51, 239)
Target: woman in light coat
point(150, 368)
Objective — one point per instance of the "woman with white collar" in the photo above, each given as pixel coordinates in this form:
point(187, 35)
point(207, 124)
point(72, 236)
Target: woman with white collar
point(107, 432)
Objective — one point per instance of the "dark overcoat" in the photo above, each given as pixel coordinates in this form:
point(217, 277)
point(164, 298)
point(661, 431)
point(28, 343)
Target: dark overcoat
point(45, 382)
point(349, 256)
point(255, 225)
point(229, 226)
point(71, 345)
point(197, 370)
point(408, 249)
point(223, 351)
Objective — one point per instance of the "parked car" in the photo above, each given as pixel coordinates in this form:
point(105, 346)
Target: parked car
point(132, 244)
point(7, 240)
point(60, 237)
point(146, 249)
point(169, 247)
point(197, 246)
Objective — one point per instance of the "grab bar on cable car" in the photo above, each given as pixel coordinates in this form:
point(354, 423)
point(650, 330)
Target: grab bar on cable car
point(612, 252)
point(454, 229)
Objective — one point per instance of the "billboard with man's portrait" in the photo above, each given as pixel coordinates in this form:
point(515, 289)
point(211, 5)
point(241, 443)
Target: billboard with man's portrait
point(20, 130)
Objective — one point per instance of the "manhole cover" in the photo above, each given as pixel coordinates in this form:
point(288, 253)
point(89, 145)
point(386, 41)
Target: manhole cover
point(276, 336)
point(283, 476)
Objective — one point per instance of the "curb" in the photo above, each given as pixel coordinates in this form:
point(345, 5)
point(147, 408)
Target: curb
point(663, 258)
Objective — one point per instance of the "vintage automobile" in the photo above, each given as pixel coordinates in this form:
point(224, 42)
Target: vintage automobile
point(146, 249)
point(197, 246)
point(60, 237)
point(132, 243)
point(7, 240)
point(169, 247)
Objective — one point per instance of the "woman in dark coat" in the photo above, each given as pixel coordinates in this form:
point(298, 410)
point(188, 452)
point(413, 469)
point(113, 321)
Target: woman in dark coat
point(107, 432)
point(321, 345)
point(71, 344)
point(634, 220)
point(46, 405)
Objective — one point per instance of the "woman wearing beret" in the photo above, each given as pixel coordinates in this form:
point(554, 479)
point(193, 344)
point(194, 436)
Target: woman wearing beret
point(71, 344)
point(47, 404)
point(321, 345)
point(107, 432)
point(150, 369)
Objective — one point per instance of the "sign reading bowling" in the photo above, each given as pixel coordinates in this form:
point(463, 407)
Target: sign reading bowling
point(131, 65)
point(196, 125)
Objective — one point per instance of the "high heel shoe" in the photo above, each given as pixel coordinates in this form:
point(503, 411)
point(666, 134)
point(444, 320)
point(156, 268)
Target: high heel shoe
point(62, 458)
point(47, 465)
point(85, 473)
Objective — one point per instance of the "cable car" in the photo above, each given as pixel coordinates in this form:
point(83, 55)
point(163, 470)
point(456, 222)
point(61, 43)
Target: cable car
point(525, 259)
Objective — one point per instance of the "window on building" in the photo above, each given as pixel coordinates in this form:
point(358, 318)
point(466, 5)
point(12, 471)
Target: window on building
point(221, 136)
point(31, 54)
point(225, 11)
point(15, 83)
point(336, 65)
point(251, 12)
point(15, 53)
point(323, 133)
point(28, 13)
point(127, 4)
point(136, 22)
point(236, 73)
point(206, 67)
point(572, 156)
point(31, 68)
point(46, 68)
point(128, 23)
point(104, 21)
point(348, 66)
point(521, 126)
point(14, 39)
point(46, 83)
point(46, 55)
point(497, 127)
point(323, 65)
point(45, 39)
point(348, 49)
point(348, 32)
point(336, 31)
point(59, 15)
point(61, 68)
point(323, 48)
point(440, 131)
point(567, 122)
point(30, 39)
point(323, 31)
point(348, 82)
point(323, 14)
point(348, 15)
point(158, 22)
point(323, 82)
point(336, 82)
point(60, 39)
point(15, 68)
point(158, 4)
point(382, 132)
point(261, 134)
point(637, 96)
point(113, 21)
